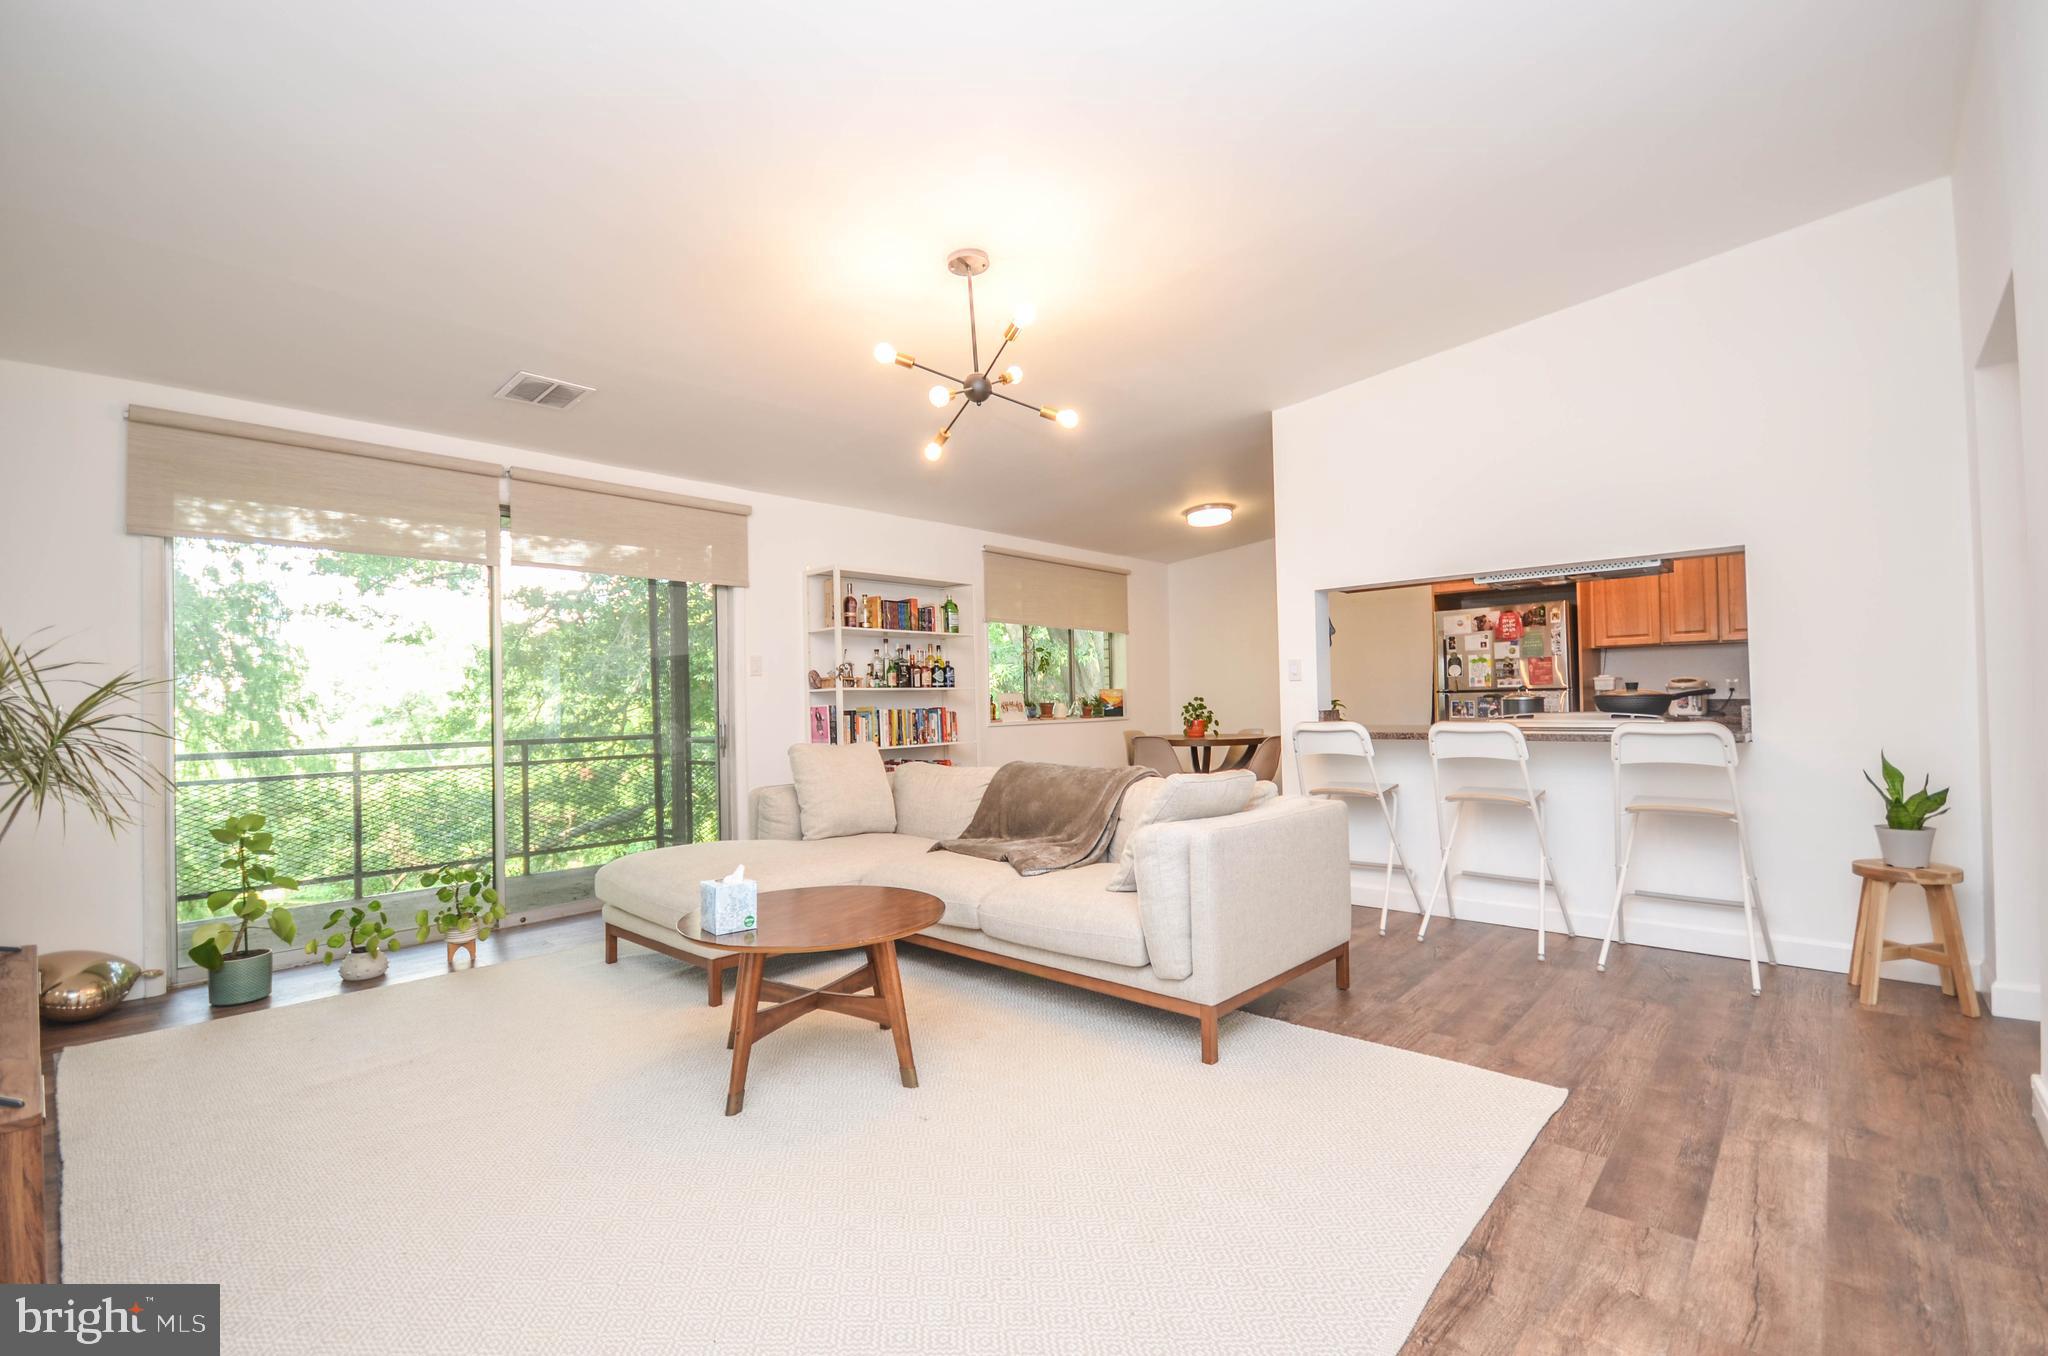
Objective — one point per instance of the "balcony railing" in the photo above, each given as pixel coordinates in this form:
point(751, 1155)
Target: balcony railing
point(351, 821)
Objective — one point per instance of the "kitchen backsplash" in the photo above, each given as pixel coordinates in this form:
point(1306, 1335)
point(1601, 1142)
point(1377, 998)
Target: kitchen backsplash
point(1652, 666)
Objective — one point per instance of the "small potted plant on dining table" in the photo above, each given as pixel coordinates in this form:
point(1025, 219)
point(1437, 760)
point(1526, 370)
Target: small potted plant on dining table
point(1196, 718)
point(469, 906)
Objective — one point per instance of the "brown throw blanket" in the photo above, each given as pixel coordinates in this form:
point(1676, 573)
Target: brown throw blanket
point(1043, 817)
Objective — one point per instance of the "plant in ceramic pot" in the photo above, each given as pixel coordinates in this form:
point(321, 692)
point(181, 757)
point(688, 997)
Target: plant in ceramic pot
point(1904, 838)
point(236, 971)
point(1042, 664)
point(1196, 717)
point(469, 904)
point(361, 938)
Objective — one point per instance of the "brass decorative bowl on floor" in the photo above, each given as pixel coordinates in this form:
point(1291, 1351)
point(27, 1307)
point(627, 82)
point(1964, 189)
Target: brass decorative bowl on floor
point(77, 986)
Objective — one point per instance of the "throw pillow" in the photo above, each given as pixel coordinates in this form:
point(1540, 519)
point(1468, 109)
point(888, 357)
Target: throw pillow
point(937, 802)
point(1185, 795)
point(841, 789)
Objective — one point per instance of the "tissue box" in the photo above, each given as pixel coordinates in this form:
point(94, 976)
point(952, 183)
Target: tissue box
point(727, 906)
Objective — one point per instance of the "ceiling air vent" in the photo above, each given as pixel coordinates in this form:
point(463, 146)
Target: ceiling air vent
point(529, 388)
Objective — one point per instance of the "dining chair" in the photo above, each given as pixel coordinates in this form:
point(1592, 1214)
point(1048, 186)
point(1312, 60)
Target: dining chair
point(1264, 760)
point(1154, 752)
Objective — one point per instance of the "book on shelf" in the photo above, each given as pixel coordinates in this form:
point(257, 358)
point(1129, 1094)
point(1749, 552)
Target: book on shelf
point(888, 726)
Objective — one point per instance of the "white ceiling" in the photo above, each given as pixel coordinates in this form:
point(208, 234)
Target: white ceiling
point(711, 213)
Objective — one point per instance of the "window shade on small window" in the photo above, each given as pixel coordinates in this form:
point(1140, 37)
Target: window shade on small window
point(610, 529)
point(1043, 592)
point(192, 476)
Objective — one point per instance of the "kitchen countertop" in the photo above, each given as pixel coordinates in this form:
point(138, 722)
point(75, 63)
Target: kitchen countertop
point(1556, 730)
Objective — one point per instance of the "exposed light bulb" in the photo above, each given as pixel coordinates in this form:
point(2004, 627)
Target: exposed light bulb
point(1067, 418)
point(939, 396)
point(1025, 314)
point(936, 448)
point(885, 354)
point(1209, 515)
point(1013, 374)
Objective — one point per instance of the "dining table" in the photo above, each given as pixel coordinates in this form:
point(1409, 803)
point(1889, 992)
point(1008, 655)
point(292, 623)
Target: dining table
point(1201, 748)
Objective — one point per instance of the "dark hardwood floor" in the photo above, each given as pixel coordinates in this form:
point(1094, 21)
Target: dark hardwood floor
point(1790, 1173)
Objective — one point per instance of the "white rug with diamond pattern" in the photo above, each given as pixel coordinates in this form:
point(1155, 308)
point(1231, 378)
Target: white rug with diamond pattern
point(532, 1157)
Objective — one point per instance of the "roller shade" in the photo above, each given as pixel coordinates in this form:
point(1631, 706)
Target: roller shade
point(610, 529)
point(193, 476)
point(1040, 591)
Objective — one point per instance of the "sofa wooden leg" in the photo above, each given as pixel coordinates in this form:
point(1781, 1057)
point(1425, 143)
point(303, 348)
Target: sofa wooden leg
point(611, 945)
point(1209, 1036)
point(1344, 968)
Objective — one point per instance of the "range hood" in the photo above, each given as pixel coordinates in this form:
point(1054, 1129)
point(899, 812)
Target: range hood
point(1564, 574)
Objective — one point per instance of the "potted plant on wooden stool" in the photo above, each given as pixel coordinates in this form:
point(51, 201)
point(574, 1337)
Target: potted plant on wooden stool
point(1904, 838)
point(243, 974)
point(1196, 718)
point(469, 907)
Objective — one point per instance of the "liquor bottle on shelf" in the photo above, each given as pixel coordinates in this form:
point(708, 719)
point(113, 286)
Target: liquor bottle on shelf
point(945, 669)
point(875, 668)
point(951, 613)
point(851, 611)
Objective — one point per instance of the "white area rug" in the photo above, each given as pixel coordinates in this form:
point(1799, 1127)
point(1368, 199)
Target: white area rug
point(549, 1170)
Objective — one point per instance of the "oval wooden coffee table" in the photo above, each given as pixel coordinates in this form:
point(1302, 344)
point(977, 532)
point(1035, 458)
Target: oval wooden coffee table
point(820, 918)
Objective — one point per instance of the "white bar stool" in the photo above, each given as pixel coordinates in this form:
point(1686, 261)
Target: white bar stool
point(1492, 741)
point(1693, 744)
point(1345, 771)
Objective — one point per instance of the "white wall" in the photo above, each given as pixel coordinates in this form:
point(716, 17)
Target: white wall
point(2000, 178)
point(1383, 657)
point(1798, 397)
point(67, 564)
point(1224, 646)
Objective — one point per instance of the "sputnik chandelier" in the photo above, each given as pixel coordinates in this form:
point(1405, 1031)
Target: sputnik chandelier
point(982, 382)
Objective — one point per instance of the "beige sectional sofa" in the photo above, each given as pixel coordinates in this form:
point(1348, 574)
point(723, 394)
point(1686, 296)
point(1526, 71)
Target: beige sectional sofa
point(1226, 908)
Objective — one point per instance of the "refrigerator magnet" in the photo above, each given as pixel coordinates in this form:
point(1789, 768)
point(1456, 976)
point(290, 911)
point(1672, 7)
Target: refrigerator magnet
point(1457, 624)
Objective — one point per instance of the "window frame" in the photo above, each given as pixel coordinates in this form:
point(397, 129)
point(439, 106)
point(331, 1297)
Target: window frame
point(1114, 661)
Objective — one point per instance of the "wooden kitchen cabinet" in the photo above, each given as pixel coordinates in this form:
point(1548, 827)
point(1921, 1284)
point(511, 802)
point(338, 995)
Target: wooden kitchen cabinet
point(1621, 612)
point(1689, 601)
point(1734, 572)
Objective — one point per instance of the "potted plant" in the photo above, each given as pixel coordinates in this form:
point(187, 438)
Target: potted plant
point(469, 904)
point(242, 975)
point(1904, 838)
point(364, 946)
point(1042, 665)
point(81, 755)
point(1196, 717)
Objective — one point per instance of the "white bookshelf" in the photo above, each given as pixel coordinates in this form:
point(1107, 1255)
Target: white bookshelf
point(828, 641)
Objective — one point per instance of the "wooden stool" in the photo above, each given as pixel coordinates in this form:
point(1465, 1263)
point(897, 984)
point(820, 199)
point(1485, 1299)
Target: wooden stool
point(1947, 951)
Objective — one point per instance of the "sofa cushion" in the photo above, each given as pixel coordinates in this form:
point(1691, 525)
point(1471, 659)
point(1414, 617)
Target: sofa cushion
point(960, 882)
point(661, 885)
point(1071, 912)
point(1185, 795)
point(841, 789)
point(1131, 812)
point(776, 813)
point(937, 802)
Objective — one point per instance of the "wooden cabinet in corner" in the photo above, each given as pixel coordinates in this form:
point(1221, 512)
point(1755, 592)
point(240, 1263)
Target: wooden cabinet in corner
point(1689, 601)
point(1734, 571)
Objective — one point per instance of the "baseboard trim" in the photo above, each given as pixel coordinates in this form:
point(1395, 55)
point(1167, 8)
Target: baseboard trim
point(2040, 1107)
point(1700, 938)
point(2022, 1001)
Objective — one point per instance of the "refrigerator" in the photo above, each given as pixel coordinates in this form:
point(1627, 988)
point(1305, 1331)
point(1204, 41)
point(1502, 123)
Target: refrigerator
point(1518, 644)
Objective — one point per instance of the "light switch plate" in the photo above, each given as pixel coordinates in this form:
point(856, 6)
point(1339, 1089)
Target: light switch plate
point(1294, 670)
point(754, 668)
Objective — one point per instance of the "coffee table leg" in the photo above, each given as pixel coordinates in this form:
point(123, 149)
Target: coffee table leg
point(747, 1003)
point(890, 981)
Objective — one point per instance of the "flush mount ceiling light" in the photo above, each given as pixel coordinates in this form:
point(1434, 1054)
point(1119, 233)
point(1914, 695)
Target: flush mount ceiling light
point(981, 383)
point(1209, 515)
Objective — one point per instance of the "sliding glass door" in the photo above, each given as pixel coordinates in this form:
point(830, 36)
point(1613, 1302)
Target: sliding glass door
point(349, 699)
